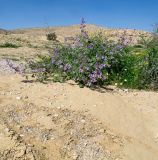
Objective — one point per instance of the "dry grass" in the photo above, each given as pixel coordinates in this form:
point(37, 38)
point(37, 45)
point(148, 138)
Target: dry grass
point(33, 41)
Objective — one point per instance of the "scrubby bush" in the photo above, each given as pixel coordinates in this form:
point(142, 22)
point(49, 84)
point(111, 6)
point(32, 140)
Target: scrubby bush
point(51, 36)
point(149, 74)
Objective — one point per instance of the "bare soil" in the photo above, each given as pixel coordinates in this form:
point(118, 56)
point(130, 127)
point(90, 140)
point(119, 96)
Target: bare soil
point(60, 121)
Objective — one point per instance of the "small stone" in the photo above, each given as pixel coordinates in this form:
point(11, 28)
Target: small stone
point(52, 138)
point(126, 90)
point(135, 94)
point(7, 129)
point(56, 115)
point(21, 135)
point(18, 98)
point(30, 145)
point(58, 107)
point(15, 137)
point(83, 121)
point(115, 140)
point(102, 131)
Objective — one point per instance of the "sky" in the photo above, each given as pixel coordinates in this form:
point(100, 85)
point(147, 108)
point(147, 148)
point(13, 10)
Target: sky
point(132, 14)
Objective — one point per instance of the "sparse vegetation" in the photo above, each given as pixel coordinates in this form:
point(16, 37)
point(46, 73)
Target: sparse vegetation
point(9, 45)
point(52, 36)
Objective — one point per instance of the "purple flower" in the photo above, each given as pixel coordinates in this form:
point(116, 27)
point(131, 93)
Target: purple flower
point(83, 21)
point(93, 80)
point(84, 34)
point(102, 66)
point(82, 27)
point(96, 65)
point(90, 46)
point(103, 58)
point(126, 41)
point(55, 52)
point(67, 67)
point(93, 77)
point(81, 70)
point(99, 74)
point(78, 42)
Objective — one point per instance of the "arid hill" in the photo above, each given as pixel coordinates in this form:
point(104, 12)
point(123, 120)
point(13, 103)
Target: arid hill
point(33, 41)
point(3, 31)
point(61, 121)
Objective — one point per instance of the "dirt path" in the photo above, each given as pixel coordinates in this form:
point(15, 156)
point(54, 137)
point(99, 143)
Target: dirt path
point(62, 121)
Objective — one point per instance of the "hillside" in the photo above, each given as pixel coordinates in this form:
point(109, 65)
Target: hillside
point(33, 41)
point(61, 121)
point(3, 31)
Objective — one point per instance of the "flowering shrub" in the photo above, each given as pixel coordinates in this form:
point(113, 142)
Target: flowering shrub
point(95, 60)
point(89, 60)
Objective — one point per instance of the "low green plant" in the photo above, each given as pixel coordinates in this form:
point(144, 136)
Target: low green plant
point(126, 70)
point(149, 74)
point(9, 45)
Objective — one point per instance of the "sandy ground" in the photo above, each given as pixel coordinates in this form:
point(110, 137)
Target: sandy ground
point(60, 121)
